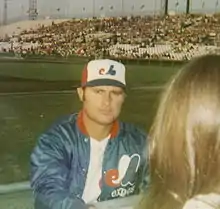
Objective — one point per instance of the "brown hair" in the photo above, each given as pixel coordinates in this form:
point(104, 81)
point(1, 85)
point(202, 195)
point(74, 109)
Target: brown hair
point(184, 151)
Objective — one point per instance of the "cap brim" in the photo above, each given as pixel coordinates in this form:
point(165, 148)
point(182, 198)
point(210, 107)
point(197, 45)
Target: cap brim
point(104, 82)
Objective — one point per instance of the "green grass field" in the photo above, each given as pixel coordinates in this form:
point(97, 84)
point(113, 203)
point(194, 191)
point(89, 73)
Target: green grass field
point(24, 117)
point(136, 74)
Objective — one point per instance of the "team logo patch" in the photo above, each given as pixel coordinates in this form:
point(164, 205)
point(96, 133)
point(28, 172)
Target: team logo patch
point(110, 71)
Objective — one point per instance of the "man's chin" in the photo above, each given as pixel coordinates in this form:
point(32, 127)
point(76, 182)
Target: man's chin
point(106, 123)
point(106, 120)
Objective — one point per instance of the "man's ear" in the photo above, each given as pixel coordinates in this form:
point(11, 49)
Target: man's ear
point(80, 93)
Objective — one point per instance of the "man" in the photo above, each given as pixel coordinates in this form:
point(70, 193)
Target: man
point(90, 156)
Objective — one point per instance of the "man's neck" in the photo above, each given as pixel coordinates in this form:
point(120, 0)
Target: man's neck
point(96, 131)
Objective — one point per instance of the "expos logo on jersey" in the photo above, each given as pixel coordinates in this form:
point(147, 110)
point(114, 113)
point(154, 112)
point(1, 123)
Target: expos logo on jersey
point(123, 178)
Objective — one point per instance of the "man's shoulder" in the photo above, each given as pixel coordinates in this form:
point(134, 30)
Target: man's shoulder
point(132, 129)
point(62, 123)
point(60, 130)
point(135, 136)
point(65, 119)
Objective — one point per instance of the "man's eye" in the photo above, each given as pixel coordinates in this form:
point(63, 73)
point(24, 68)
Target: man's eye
point(117, 93)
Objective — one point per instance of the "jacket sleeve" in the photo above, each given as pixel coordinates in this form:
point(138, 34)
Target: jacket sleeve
point(49, 171)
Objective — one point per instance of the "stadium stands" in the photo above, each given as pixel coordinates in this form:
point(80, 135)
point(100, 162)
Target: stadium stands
point(177, 37)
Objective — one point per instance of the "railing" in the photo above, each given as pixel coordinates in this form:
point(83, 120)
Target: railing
point(14, 187)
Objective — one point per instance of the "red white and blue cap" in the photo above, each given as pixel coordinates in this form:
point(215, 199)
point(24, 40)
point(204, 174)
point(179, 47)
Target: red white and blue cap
point(103, 72)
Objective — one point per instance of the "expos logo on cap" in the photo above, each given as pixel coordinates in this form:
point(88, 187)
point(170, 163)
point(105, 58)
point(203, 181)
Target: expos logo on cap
point(104, 72)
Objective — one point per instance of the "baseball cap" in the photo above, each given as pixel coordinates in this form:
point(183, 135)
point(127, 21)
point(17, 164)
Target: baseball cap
point(103, 72)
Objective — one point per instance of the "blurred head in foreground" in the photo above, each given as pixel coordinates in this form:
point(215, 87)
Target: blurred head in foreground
point(184, 149)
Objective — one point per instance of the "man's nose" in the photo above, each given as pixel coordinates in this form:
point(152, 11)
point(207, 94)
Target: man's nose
point(107, 99)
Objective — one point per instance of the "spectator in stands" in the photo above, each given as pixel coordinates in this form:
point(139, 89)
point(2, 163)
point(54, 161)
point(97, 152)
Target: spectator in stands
point(184, 146)
point(90, 156)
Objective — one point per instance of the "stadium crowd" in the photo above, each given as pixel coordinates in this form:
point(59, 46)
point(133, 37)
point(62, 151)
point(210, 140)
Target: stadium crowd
point(178, 37)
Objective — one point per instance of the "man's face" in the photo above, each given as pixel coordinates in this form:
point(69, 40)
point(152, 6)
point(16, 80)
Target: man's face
point(102, 104)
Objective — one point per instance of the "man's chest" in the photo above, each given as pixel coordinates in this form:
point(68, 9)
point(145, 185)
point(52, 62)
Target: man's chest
point(119, 168)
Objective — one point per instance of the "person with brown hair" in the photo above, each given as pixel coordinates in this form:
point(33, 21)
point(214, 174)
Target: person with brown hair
point(184, 141)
